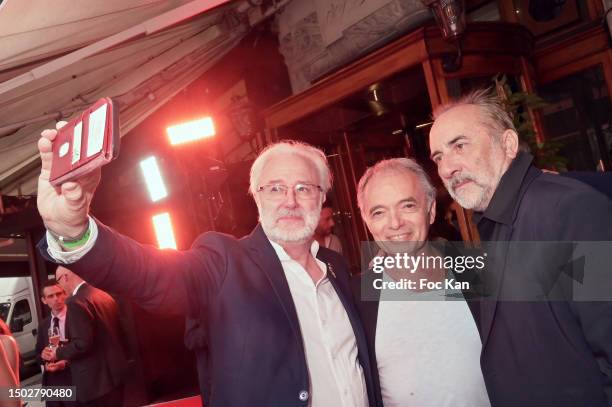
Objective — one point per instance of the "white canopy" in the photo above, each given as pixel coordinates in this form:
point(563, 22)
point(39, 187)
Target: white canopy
point(57, 58)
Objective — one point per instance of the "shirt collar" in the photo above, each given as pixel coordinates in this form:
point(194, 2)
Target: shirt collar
point(77, 287)
point(505, 199)
point(61, 314)
point(283, 256)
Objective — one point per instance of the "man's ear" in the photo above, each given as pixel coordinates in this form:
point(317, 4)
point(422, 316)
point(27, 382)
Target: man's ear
point(510, 143)
point(432, 212)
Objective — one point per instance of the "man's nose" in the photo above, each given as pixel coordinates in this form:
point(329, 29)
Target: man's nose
point(290, 199)
point(448, 167)
point(396, 221)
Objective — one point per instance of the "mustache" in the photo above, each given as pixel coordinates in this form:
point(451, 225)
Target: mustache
point(460, 179)
point(289, 212)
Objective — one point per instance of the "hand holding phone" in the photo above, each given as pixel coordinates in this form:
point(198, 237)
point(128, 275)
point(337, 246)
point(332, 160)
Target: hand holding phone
point(63, 203)
point(87, 142)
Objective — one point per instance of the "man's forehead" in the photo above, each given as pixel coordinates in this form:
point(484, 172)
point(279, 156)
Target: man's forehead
point(280, 168)
point(52, 290)
point(402, 185)
point(458, 120)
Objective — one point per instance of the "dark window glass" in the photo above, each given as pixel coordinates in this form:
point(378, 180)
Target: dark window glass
point(22, 311)
point(579, 117)
point(4, 309)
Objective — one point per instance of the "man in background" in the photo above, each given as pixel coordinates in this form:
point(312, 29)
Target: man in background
point(95, 348)
point(323, 233)
point(54, 373)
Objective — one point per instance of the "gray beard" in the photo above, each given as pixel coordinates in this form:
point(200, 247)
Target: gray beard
point(276, 234)
point(471, 201)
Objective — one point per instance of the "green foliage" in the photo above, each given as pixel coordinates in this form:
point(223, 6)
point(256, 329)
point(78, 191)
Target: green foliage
point(520, 105)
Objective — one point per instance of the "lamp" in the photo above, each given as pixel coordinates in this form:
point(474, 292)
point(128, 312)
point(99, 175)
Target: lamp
point(450, 17)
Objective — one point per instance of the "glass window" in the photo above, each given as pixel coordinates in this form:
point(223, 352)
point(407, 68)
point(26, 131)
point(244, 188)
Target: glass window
point(22, 311)
point(4, 310)
point(578, 116)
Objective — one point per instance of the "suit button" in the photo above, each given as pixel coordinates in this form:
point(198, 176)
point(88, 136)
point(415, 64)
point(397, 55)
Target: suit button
point(303, 396)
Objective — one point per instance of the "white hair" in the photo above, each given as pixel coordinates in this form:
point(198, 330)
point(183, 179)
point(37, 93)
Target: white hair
point(400, 165)
point(288, 147)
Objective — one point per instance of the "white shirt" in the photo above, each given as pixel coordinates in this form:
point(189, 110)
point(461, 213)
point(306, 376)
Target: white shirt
point(336, 377)
point(428, 352)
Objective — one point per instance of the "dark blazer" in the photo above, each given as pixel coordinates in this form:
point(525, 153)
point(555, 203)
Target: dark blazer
point(368, 311)
point(95, 348)
point(238, 291)
point(59, 378)
point(552, 350)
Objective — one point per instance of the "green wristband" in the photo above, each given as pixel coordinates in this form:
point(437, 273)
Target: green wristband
point(73, 243)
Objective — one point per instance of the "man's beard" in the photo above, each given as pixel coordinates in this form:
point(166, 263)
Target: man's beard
point(278, 234)
point(477, 200)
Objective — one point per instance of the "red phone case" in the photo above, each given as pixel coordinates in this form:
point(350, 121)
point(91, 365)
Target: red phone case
point(86, 142)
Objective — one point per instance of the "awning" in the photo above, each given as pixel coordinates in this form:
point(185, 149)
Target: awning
point(59, 57)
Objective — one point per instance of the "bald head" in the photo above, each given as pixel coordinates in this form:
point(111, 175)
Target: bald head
point(67, 279)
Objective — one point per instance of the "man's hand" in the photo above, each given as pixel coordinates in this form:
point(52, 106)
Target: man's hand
point(48, 354)
point(57, 366)
point(63, 209)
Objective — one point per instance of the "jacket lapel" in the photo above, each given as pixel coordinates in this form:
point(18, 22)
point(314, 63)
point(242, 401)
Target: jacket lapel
point(488, 305)
point(266, 259)
point(500, 218)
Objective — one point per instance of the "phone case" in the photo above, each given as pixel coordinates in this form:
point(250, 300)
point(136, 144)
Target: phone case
point(86, 142)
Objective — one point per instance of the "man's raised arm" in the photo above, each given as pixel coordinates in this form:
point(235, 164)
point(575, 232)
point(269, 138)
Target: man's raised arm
point(155, 279)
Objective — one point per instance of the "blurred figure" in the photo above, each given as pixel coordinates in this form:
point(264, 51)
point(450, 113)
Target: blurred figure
point(323, 233)
point(54, 373)
point(95, 349)
point(9, 363)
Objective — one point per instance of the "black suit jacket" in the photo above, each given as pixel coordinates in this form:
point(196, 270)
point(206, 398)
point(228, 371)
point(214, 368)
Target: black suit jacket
point(238, 291)
point(368, 312)
point(95, 348)
point(59, 378)
point(552, 351)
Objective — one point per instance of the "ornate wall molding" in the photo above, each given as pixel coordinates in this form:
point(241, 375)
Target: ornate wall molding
point(317, 37)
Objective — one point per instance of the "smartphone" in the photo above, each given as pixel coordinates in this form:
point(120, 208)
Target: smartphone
point(87, 142)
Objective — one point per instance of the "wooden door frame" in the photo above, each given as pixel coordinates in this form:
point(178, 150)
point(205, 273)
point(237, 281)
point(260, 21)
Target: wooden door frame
point(488, 47)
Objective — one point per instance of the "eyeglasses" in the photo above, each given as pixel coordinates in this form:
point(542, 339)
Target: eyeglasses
point(279, 191)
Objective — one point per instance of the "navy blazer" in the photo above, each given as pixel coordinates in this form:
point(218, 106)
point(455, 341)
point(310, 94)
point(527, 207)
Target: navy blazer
point(238, 291)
